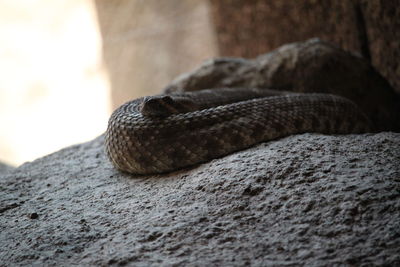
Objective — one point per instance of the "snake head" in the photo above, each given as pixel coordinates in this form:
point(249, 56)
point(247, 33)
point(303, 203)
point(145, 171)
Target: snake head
point(165, 105)
point(157, 106)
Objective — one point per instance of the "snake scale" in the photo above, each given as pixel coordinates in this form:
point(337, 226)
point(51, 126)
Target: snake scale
point(166, 132)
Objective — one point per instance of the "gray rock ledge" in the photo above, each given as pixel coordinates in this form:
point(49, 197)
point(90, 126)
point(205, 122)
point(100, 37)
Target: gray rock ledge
point(306, 200)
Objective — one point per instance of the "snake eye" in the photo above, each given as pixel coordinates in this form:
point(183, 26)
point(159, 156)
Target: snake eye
point(160, 106)
point(167, 100)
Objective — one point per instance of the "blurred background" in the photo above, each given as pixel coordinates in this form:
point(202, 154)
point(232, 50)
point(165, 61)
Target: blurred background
point(65, 65)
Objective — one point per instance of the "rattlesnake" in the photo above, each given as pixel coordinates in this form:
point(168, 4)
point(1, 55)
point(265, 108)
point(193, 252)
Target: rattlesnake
point(167, 132)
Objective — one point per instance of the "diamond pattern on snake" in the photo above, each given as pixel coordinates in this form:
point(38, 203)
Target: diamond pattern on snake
point(167, 132)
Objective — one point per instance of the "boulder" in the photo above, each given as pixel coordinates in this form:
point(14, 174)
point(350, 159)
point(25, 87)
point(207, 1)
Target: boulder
point(310, 66)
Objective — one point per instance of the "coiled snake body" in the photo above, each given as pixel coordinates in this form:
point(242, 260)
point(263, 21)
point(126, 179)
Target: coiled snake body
point(167, 132)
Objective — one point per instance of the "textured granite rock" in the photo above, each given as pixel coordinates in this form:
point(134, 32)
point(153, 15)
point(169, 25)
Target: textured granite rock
point(306, 200)
point(310, 66)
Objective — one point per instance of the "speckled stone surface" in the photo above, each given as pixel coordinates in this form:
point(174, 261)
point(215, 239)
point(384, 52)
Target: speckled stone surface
point(306, 200)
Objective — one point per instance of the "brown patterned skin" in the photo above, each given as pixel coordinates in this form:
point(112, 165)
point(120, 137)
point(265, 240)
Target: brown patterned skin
point(168, 132)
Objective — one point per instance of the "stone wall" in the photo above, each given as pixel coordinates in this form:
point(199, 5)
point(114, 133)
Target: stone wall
point(367, 27)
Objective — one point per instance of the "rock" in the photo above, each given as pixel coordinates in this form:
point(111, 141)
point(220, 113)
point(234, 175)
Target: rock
point(308, 199)
point(311, 66)
point(382, 24)
point(249, 28)
point(5, 168)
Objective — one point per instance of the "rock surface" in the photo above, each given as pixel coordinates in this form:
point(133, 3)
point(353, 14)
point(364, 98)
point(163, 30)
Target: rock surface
point(5, 168)
point(303, 200)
